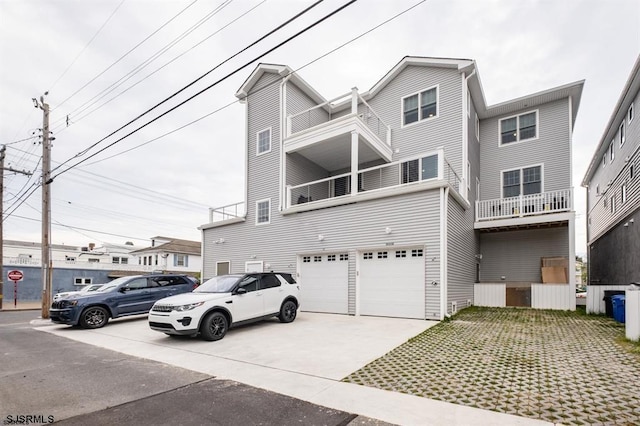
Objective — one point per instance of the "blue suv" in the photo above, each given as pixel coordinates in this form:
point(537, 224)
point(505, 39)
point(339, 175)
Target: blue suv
point(121, 297)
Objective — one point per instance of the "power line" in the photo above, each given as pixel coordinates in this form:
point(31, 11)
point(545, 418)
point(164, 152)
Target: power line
point(265, 86)
point(200, 78)
point(126, 54)
point(77, 119)
point(152, 58)
point(87, 45)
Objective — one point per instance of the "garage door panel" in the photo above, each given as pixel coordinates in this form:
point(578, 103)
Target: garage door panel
point(392, 283)
point(324, 283)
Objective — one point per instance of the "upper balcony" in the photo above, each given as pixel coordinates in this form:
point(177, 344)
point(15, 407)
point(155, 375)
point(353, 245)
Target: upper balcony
point(324, 137)
point(523, 210)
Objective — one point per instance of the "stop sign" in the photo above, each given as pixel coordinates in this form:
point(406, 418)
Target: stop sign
point(15, 275)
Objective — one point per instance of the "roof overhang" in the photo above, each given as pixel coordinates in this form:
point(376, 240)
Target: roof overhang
point(630, 90)
point(283, 71)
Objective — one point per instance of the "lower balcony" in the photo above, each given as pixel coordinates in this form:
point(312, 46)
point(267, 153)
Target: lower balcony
point(536, 208)
point(427, 171)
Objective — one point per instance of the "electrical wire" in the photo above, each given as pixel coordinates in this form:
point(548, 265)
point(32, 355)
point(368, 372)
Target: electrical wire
point(81, 117)
point(125, 55)
point(81, 153)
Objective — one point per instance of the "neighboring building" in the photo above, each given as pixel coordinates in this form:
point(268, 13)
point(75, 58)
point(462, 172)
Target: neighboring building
point(414, 199)
point(613, 195)
point(171, 255)
point(73, 267)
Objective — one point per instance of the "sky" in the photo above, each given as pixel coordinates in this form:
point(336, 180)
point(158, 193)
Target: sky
point(105, 62)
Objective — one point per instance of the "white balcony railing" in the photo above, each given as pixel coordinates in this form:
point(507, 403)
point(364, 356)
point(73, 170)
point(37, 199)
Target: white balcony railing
point(74, 264)
point(317, 115)
point(230, 211)
point(525, 205)
point(427, 167)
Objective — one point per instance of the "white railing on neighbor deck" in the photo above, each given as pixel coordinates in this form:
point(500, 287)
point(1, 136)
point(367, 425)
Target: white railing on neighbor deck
point(230, 211)
point(426, 167)
point(525, 205)
point(317, 115)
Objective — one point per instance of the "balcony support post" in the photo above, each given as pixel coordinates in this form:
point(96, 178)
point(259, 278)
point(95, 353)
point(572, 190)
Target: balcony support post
point(354, 100)
point(354, 163)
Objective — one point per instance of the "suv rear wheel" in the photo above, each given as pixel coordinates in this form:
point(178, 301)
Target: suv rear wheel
point(214, 326)
point(288, 311)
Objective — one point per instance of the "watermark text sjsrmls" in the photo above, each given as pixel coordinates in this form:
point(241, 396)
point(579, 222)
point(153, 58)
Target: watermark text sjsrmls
point(27, 419)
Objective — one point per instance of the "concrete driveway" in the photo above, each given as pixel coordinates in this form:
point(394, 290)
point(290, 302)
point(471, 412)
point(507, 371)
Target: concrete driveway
point(305, 359)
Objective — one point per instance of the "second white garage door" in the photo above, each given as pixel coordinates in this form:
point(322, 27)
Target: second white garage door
point(392, 283)
point(324, 282)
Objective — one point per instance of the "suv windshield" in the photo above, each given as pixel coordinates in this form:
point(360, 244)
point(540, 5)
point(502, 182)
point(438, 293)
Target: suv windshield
point(220, 284)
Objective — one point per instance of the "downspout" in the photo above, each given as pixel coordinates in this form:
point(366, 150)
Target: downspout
point(465, 134)
point(282, 194)
point(444, 202)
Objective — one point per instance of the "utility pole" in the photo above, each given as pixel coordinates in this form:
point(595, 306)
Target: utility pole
point(2, 169)
point(47, 267)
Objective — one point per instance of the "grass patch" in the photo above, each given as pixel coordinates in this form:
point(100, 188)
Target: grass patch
point(629, 345)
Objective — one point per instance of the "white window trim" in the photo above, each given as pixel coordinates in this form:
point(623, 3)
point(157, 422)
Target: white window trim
point(477, 128)
point(522, 168)
point(83, 281)
point(623, 193)
point(612, 150)
point(630, 114)
point(604, 160)
point(420, 120)
point(622, 133)
point(253, 262)
point(468, 176)
point(257, 216)
point(469, 104)
point(518, 141)
point(477, 188)
point(223, 261)
point(258, 153)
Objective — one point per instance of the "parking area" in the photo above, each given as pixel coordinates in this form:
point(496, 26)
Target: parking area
point(306, 359)
point(557, 366)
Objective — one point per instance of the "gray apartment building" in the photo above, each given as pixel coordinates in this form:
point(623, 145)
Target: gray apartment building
point(613, 194)
point(413, 199)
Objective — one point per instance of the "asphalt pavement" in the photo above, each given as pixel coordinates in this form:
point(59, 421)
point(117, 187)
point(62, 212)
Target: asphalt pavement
point(48, 378)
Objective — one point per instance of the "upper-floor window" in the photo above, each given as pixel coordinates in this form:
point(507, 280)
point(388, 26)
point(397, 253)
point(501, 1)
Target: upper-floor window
point(631, 171)
point(623, 193)
point(477, 128)
point(420, 106)
point(604, 159)
point(622, 135)
point(263, 208)
point(119, 260)
point(420, 169)
point(519, 128)
point(523, 181)
point(613, 203)
point(82, 280)
point(181, 260)
point(263, 142)
point(598, 189)
point(612, 153)
point(630, 114)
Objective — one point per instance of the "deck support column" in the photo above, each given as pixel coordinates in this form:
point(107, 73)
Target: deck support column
point(354, 163)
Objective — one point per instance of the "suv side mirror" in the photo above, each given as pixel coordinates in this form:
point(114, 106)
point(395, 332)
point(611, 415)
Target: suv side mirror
point(241, 290)
point(124, 289)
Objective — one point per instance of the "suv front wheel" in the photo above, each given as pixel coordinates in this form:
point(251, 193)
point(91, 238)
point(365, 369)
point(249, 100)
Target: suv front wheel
point(288, 311)
point(214, 326)
point(94, 317)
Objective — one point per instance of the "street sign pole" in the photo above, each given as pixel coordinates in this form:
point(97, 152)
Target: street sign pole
point(15, 276)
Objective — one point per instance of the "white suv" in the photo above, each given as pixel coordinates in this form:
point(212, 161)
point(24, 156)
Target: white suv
point(226, 301)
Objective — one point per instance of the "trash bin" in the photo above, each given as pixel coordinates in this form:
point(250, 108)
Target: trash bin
point(608, 306)
point(618, 307)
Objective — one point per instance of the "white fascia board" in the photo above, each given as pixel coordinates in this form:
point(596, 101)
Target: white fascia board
point(629, 92)
point(248, 84)
point(221, 223)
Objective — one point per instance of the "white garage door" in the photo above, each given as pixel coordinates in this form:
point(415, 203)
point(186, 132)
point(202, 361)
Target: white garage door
point(392, 283)
point(323, 283)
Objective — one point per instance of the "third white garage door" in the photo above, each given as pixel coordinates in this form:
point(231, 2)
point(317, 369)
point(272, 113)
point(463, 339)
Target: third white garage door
point(324, 282)
point(392, 283)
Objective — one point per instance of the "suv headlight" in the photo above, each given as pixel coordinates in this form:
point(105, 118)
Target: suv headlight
point(188, 307)
point(69, 303)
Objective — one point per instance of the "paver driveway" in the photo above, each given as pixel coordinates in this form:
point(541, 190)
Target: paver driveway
point(563, 367)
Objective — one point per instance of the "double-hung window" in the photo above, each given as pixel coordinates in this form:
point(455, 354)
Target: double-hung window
point(519, 128)
point(263, 212)
point(630, 114)
point(180, 260)
point(612, 153)
point(263, 141)
point(621, 133)
point(523, 181)
point(420, 106)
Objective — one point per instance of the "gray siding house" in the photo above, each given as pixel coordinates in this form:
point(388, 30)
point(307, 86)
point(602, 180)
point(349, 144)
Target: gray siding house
point(613, 195)
point(413, 199)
